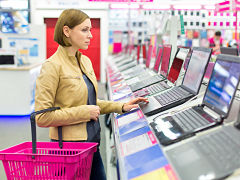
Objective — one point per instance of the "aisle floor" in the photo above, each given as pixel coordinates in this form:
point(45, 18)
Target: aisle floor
point(15, 130)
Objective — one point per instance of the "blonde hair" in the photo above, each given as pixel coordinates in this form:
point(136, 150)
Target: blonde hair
point(70, 18)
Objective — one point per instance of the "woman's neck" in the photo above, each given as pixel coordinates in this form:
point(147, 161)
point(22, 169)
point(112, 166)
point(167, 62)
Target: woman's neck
point(71, 50)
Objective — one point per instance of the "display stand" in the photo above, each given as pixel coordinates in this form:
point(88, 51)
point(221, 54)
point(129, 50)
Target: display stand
point(17, 90)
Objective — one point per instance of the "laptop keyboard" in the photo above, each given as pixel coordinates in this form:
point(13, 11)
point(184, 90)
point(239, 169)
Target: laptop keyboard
point(222, 147)
point(172, 95)
point(189, 119)
point(152, 80)
point(158, 87)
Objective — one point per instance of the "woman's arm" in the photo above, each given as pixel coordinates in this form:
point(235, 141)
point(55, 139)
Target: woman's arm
point(46, 89)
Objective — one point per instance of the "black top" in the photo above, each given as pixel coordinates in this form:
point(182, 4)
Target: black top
point(93, 127)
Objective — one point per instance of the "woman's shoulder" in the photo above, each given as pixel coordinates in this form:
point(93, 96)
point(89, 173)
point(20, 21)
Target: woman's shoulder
point(86, 60)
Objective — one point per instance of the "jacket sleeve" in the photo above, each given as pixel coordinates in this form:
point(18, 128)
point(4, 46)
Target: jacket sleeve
point(110, 106)
point(46, 89)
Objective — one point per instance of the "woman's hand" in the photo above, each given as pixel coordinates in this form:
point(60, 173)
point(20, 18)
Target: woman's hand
point(94, 112)
point(134, 103)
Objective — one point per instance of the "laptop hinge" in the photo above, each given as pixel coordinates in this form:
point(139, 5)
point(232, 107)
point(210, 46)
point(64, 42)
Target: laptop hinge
point(214, 114)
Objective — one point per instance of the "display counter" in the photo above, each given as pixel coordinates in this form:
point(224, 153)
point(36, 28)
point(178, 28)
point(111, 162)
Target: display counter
point(17, 90)
point(140, 154)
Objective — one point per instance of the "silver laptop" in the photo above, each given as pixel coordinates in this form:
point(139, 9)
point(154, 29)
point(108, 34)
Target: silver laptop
point(218, 98)
point(189, 88)
point(215, 155)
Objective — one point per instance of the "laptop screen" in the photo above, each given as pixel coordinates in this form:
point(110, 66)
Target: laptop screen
point(230, 51)
point(158, 59)
point(196, 69)
point(149, 55)
point(165, 59)
point(138, 52)
point(177, 64)
point(144, 54)
point(222, 85)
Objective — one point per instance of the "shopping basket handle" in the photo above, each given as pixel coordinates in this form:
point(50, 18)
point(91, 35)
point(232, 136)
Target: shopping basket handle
point(33, 128)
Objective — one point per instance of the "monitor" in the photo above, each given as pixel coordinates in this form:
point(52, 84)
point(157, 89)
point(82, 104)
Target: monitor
point(149, 56)
point(158, 59)
point(165, 59)
point(138, 52)
point(175, 69)
point(196, 69)
point(222, 84)
point(7, 58)
point(229, 50)
point(144, 54)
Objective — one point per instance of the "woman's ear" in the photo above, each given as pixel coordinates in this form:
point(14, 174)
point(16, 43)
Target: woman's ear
point(66, 31)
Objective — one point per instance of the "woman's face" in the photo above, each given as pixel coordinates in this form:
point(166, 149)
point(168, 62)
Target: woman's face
point(81, 35)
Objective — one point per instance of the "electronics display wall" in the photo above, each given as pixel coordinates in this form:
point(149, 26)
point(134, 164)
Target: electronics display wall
point(199, 25)
point(15, 16)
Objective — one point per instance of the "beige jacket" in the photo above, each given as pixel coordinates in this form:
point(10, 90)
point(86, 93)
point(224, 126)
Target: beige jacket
point(60, 84)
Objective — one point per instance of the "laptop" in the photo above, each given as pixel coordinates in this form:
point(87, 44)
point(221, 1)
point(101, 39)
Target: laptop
point(214, 155)
point(189, 88)
point(131, 73)
point(218, 98)
point(156, 78)
point(229, 51)
point(172, 77)
point(137, 75)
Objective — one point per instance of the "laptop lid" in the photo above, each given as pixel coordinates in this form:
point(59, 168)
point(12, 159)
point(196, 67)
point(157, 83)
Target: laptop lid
point(196, 69)
point(144, 53)
point(223, 84)
point(138, 52)
point(149, 56)
point(158, 59)
point(165, 59)
point(229, 51)
point(178, 60)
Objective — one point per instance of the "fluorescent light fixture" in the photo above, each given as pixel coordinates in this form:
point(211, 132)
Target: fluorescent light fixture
point(124, 6)
point(180, 6)
point(209, 6)
point(156, 6)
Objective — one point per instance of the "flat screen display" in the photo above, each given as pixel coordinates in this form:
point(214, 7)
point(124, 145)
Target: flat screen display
point(165, 59)
point(222, 85)
point(149, 55)
point(229, 51)
point(177, 64)
point(7, 60)
point(196, 70)
point(158, 59)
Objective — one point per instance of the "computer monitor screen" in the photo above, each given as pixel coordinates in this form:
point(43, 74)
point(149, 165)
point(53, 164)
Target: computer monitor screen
point(144, 54)
point(195, 70)
point(229, 50)
point(138, 52)
point(222, 85)
point(165, 59)
point(177, 64)
point(149, 55)
point(158, 59)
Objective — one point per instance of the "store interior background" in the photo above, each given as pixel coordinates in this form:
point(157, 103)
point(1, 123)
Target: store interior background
point(114, 26)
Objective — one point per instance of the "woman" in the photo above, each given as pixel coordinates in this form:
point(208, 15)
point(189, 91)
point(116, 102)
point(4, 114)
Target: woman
point(67, 80)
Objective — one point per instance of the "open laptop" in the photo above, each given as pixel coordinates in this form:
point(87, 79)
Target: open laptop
point(139, 75)
point(156, 78)
point(229, 51)
point(172, 77)
point(214, 155)
point(188, 89)
point(131, 73)
point(218, 98)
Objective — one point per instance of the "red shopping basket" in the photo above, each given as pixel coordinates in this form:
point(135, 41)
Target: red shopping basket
point(47, 160)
